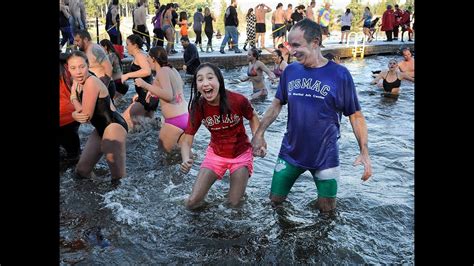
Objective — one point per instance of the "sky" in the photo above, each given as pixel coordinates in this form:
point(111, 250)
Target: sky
point(336, 4)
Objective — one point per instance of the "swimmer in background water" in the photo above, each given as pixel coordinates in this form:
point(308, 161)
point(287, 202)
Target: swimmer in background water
point(255, 74)
point(280, 65)
point(391, 79)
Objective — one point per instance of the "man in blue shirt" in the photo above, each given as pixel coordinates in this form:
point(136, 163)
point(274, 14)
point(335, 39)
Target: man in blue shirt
point(318, 92)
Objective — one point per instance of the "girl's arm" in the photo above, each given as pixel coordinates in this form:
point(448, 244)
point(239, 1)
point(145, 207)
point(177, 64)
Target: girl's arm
point(265, 69)
point(143, 72)
point(186, 153)
point(254, 122)
point(378, 78)
point(161, 86)
point(73, 97)
point(77, 114)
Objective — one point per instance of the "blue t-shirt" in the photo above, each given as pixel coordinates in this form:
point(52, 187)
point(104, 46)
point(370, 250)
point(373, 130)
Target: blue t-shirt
point(316, 98)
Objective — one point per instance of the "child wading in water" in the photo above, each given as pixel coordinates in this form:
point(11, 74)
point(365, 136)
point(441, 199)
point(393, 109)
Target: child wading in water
point(222, 112)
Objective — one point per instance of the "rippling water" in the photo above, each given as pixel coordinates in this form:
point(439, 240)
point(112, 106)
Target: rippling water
point(144, 219)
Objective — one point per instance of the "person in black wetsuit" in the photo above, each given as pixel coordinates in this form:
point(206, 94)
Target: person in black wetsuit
point(143, 103)
point(391, 79)
point(92, 104)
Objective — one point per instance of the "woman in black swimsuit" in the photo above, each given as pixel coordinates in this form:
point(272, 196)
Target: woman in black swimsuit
point(92, 104)
point(391, 79)
point(142, 103)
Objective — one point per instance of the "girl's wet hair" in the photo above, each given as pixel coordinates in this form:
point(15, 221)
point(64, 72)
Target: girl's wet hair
point(110, 47)
point(136, 39)
point(183, 15)
point(78, 54)
point(255, 52)
point(63, 72)
point(279, 54)
point(159, 54)
point(196, 101)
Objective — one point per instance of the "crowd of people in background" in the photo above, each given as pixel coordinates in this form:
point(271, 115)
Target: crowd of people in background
point(167, 17)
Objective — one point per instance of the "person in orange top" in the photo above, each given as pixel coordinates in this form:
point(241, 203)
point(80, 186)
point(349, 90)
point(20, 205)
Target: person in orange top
point(183, 22)
point(68, 127)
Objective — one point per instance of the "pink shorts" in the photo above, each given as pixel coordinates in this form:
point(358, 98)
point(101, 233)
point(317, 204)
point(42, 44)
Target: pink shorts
point(219, 165)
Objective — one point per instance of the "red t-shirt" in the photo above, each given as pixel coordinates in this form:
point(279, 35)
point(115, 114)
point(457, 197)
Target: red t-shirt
point(228, 137)
point(65, 106)
point(406, 18)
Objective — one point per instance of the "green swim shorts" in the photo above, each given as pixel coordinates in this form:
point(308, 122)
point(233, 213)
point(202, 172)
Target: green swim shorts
point(285, 175)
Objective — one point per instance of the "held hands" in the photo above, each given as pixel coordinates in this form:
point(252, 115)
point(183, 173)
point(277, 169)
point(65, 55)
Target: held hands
point(259, 146)
point(364, 160)
point(80, 117)
point(186, 165)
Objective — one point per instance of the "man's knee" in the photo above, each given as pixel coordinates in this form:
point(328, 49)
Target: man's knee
point(327, 188)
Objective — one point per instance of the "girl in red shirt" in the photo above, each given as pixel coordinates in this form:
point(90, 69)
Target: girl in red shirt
point(221, 112)
point(68, 127)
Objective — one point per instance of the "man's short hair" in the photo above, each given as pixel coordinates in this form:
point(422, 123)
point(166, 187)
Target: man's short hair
point(83, 34)
point(311, 29)
point(184, 38)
